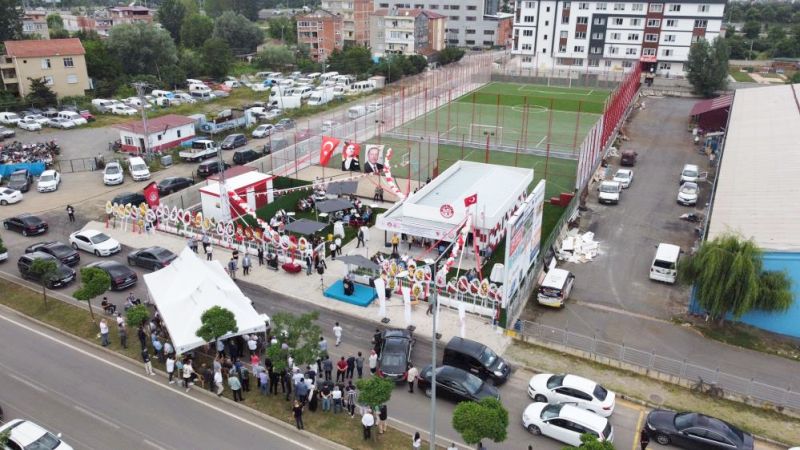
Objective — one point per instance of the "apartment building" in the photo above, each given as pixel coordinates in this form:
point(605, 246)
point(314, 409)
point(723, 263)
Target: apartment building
point(34, 25)
point(321, 30)
point(406, 32)
point(355, 19)
point(470, 23)
point(59, 62)
point(612, 35)
point(131, 14)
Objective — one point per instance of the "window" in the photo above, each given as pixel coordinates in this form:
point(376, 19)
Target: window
point(667, 52)
point(674, 8)
point(544, 50)
point(546, 23)
point(613, 50)
point(563, 34)
point(702, 8)
point(471, 42)
point(468, 31)
point(528, 19)
point(128, 140)
point(695, 39)
point(471, 18)
point(433, 7)
point(527, 47)
point(583, 5)
point(671, 23)
point(615, 36)
point(527, 59)
point(648, 52)
point(596, 50)
point(72, 79)
point(488, 43)
point(455, 7)
point(656, 7)
point(548, 9)
point(598, 35)
point(545, 37)
point(580, 35)
point(594, 62)
point(601, 6)
point(564, 20)
point(578, 49)
point(633, 36)
point(631, 51)
point(529, 4)
point(418, 6)
point(567, 5)
point(627, 64)
point(48, 80)
point(384, 5)
point(178, 132)
point(653, 23)
point(669, 38)
point(488, 32)
point(618, 21)
point(637, 7)
point(651, 37)
point(636, 22)
point(562, 49)
point(527, 33)
point(68, 62)
point(582, 20)
point(456, 18)
point(159, 136)
point(599, 21)
point(665, 66)
point(619, 6)
point(471, 7)
point(46, 63)
point(700, 23)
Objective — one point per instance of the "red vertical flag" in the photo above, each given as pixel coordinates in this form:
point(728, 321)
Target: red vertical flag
point(151, 195)
point(471, 200)
point(329, 144)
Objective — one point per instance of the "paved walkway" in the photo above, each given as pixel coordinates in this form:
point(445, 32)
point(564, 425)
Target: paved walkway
point(310, 289)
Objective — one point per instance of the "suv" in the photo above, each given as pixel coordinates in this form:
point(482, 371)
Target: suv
point(477, 359)
point(20, 180)
point(134, 198)
point(246, 155)
point(210, 167)
point(64, 274)
point(691, 173)
point(233, 141)
point(113, 174)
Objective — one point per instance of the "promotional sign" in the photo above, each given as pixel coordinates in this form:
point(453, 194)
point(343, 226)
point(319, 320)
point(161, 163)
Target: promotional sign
point(372, 163)
point(523, 236)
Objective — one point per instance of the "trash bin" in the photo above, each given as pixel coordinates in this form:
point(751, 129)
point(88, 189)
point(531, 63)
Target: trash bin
point(166, 160)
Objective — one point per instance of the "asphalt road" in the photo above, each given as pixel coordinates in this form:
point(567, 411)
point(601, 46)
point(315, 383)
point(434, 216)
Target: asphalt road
point(106, 402)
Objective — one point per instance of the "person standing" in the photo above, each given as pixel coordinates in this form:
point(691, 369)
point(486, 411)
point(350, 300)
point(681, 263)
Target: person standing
point(297, 412)
point(327, 367)
point(325, 394)
point(208, 249)
point(236, 387)
point(417, 441)
point(123, 335)
point(104, 333)
point(337, 332)
point(644, 439)
point(71, 213)
point(263, 382)
point(383, 415)
point(309, 263)
point(411, 376)
point(373, 362)
point(246, 264)
point(360, 238)
point(350, 395)
point(377, 341)
point(323, 346)
point(367, 421)
point(336, 396)
point(170, 365)
point(206, 242)
point(232, 267)
point(351, 367)
point(148, 366)
point(360, 365)
point(395, 242)
point(188, 371)
point(260, 255)
point(341, 369)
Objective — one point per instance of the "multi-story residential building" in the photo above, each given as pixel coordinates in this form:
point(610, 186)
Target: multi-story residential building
point(59, 62)
point(406, 32)
point(355, 19)
point(470, 23)
point(613, 35)
point(322, 31)
point(74, 22)
point(34, 24)
point(131, 14)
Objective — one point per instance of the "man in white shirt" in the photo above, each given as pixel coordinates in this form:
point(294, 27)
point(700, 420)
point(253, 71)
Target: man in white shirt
point(218, 382)
point(367, 420)
point(104, 333)
point(411, 376)
point(337, 331)
point(252, 344)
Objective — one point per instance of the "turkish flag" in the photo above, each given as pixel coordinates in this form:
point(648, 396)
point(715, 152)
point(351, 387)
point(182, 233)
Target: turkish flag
point(329, 144)
point(471, 200)
point(151, 195)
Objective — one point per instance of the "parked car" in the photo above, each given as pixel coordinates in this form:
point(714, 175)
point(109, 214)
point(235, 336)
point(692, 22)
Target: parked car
point(27, 224)
point(138, 169)
point(6, 133)
point(48, 181)
point(25, 434)
point(565, 423)
point(173, 184)
point(245, 155)
point(20, 180)
point(609, 192)
point(152, 258)
point(395, 354)
point(573, 390)
point(374, 106)
point(9, 196)
point(86, 114)
point(695, 431)
point(209, 167)
point(263, 131)
point(628, 158)
point(233, 141)
point(688, 193)
point(477, 359)
point(121, 109)
point(9, 118)
point(113, 174)
point(60, 122)
point(690, 172)
point(29, 124)
point(456, 384)
point(50, 112)
point(122, 276)
point(285, 124)
point(94, 241)
point(64, 274)
point(327, 126)
point(60, 250)
point(74, 117)
point(132, 198)
point(555, 288)
point(624, 177)
point(38, 118)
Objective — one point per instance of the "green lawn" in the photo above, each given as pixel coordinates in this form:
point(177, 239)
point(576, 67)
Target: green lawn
point(552, 97)
point(738, 75)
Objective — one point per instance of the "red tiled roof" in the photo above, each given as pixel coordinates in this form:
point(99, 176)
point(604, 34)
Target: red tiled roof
point(712, 104)
point(44, 47)
point(155, 126)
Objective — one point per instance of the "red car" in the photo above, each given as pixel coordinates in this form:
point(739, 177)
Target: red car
point(86, 115)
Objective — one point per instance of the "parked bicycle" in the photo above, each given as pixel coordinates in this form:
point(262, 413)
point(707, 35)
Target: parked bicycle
point(708, 388)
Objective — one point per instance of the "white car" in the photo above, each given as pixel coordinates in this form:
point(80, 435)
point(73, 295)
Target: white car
point(688, 193)
point(9, 196)
point(29, 124)
point(38, 118)
point(9, 118)
point(691, 173)
point(573, 390)
point(48, 181)
point(59, 122)
point(374, 106)
point(134, 102)
point(123, 110)
point(624, 177)
point(565, 423)
point(93, 241)
point(25, 434)
point(264, 130)
point(327, 126)
point(609, 192)
point(113, 174)
point(183, 97)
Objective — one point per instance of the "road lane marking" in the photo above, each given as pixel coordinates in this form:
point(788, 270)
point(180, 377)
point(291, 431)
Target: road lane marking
point(156, 383)
point(153, 444)
point(27, 383)
point(96, 417)
point(638, 430)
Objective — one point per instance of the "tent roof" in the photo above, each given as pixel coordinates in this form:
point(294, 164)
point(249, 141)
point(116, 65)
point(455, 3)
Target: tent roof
point(189, 286)
point(329, 206)
point(305, 227)
point(360, 261)
point(342, 187)
point(712, 104)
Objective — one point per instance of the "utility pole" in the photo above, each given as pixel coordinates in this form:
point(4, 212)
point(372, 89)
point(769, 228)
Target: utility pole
point(434, 302)
point(224, 204)
point(140, 87)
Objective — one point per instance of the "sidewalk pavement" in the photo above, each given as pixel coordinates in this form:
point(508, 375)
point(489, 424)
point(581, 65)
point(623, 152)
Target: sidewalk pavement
point(310, 288)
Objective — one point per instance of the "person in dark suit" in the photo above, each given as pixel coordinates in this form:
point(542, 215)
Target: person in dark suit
point(350, 158)
point(372, 165)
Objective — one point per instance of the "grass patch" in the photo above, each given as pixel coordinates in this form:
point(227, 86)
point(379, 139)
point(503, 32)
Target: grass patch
point(557, 98)
point(740, 76)
point(339, 428)
point(744, 336)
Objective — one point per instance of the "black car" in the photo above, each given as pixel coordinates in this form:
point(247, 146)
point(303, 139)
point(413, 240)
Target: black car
point(695, 431)
point(395, 354)
point(210, 167)
point(21, 180)
point(173, 184)
point(63, 252)
point(64, 275)
point(232, 141)
point(247, 155)
point(27, 224)
point(133, 198)
point(152, 258)
point(285, 124)
point(456, 384)
point(121, 275)
point(476, 358)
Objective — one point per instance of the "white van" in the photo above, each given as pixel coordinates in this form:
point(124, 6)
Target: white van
point(362, 87)
point(76, 118)
point(328, 76)
point(138, 169)
point(356, 112)
point(313, 76)
point(344, 80)
point(303, 92)
point(555, 288)
point(9, 118)
point(288, 82)
point(665, 264)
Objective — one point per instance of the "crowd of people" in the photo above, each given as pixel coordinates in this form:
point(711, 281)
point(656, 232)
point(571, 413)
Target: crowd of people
point(16, 152)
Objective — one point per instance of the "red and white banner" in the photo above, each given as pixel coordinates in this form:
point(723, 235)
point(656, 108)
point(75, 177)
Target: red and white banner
point(329, 145)
point(151, 195)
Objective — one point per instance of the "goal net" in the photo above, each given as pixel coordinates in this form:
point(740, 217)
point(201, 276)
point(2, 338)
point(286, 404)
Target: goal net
point(478, 132)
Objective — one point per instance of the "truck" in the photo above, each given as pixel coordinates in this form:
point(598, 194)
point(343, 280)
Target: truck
point(201, 149)
point(320, 97)
point(227, 119)
point(285, 101)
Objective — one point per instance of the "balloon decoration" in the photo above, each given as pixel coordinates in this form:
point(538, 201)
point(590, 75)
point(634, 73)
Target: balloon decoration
point(387, 175)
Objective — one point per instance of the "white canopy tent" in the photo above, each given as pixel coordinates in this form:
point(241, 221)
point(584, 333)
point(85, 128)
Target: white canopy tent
point(189, 286)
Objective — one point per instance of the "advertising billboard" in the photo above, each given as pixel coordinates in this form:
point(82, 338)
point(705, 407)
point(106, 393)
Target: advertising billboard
point(523, 241)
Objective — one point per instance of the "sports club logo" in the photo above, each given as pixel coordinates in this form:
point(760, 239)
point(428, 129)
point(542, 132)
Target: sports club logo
point(152, 197)
point(446, 211)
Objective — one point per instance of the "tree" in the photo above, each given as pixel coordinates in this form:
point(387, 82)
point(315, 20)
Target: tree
point(46, 270)
point(476, 421)
point(102, 66)
point(58, 33)
point(216, 322)
point(418, 62)
point(374, 391)
point(590, 442)
point(751, 29)
point(283, 28)
point(707, 68)
point(795, 78)
point(450, 55)
point(195, 30)
point(191, 63)
point(94, 282)
point(728, 278)
point(136, 316)
point(273, 57)
point(3, 248)
point(170, 14)
point(10, 20)
point(300, 333)
point(55, 21)
point(215, 8)
point(355, 59)
point(242, 35)
point(40, 94)
point(217, 57)
point(142, 48)
point(247, 8)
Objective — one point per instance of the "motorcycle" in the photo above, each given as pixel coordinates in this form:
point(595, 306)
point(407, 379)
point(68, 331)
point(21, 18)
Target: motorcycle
point(692, 217)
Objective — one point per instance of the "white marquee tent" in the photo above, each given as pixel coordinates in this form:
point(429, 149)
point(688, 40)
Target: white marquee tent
point(189, 286)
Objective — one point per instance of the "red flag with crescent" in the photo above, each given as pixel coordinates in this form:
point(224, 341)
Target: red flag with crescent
point(151, 195)
point(329, 144)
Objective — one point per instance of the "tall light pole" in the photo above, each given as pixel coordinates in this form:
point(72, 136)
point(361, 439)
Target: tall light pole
point(140, 87)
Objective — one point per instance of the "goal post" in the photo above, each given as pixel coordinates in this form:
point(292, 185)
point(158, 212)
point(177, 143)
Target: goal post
point(478, 132)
